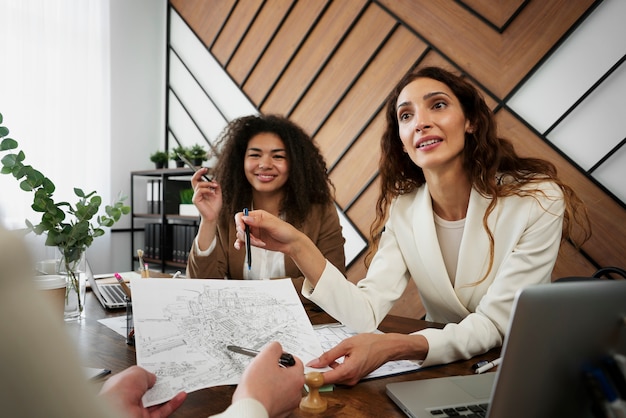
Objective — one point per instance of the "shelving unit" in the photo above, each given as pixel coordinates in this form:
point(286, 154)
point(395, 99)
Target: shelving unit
point(161, 218)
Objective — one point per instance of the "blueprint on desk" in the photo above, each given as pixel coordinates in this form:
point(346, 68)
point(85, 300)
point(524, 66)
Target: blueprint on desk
point(182, 328)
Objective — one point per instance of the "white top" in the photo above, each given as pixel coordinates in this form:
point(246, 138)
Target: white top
point(266, 264)
point(449, 234)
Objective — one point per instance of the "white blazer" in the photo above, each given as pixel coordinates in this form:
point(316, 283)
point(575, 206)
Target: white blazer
point(527, 233)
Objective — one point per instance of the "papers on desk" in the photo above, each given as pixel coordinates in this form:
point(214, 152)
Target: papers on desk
point(182, 328)
point(330, 335)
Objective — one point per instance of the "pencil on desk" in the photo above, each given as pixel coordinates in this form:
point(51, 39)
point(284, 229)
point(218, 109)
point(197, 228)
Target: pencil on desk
point(125, 287)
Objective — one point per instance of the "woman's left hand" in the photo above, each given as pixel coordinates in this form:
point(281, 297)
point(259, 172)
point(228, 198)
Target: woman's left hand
point(362, 354)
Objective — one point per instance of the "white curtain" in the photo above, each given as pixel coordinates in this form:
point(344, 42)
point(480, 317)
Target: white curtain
point(54, 96)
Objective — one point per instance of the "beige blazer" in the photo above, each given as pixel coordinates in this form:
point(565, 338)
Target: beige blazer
point(527, 233)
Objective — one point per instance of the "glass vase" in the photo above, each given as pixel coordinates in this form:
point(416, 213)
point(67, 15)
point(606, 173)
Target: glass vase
point(74, 266)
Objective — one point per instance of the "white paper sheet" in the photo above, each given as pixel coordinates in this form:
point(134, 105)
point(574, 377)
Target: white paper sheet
point(182, 328)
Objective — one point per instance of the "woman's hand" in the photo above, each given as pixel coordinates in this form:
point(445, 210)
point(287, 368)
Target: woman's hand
point(279, 389)
point(207, 196)
point(124, 391)
point(364, 353)
point(271, 233)
point(266, 231)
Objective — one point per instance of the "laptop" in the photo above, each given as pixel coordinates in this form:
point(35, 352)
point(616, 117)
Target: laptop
point(556, 330)
point(110, 295)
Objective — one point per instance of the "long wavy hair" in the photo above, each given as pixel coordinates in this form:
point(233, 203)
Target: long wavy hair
point(486, 159)
point(307, 184)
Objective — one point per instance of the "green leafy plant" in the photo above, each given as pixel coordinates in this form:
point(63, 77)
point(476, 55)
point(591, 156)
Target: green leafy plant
point(178, 150)
point(160, 158)
point(71, 228)
point(197, 152)
point(186, 196)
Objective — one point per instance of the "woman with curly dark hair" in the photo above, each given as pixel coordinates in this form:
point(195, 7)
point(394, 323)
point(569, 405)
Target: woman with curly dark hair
point(460, 213)
point(266, 163)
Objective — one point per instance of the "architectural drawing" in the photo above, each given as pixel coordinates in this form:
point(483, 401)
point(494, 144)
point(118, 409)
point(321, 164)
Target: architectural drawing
point(182, 328)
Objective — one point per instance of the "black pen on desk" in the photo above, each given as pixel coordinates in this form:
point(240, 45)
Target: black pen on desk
point(248, 246)
point(285, 360)
point(125, 287)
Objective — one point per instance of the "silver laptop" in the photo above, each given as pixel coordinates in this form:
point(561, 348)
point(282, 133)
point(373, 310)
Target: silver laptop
point(110, 295)
point(555, 332)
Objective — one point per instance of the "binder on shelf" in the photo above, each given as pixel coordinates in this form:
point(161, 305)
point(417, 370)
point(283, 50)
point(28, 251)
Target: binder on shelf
point(154, 196)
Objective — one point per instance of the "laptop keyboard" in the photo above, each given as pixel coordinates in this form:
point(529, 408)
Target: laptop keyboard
point(115, 293)
point(473, 411)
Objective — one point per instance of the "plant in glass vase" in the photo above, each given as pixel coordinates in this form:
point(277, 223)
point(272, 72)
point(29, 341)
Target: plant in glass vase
point(70, 228)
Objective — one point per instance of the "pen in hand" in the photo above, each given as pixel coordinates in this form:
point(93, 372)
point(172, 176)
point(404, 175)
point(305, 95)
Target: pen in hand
point(286, 359)
point(248, 246)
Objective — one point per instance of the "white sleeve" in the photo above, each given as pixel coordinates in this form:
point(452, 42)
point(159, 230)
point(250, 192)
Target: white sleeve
point(206, 252)
point(249, 408)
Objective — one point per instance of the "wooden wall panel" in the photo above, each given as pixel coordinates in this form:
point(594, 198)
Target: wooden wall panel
point(256, 39)
point(364, 98)
point(309, 59)
point(340, 72)
point(497, 13)
point(235, 29)
point(206, 18)
point(278, 54)
point(330, 64)
point(498, 60)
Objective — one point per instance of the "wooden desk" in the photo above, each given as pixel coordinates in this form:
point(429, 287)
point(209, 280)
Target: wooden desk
point(99, 346)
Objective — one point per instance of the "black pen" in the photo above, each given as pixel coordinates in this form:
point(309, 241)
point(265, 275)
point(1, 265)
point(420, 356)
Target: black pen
point(248, 246)
point(193, 167)
point(286, 359)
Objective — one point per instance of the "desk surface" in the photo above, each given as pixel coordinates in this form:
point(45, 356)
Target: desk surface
point(99, 346)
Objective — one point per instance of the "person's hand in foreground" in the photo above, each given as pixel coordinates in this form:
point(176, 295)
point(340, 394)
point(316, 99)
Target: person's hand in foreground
point(124, 391)
point(277, 388)
point(364, 353)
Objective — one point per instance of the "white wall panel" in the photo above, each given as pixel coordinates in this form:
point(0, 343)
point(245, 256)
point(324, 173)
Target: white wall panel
point(215, 81)
point(597, 125)
point(181, 125)
point(583, 58)
point(195, 101)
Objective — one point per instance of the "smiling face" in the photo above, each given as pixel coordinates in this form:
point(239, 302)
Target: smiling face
point(432, 125)
point(265, 163)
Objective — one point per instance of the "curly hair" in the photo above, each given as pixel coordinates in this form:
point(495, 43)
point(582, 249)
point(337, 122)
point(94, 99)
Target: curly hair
point(307, 184)
point(486, 159)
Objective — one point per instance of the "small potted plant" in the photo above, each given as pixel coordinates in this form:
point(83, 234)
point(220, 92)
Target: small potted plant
point(186, 207)
point(159, 158)
point(197, 154)
point(174, 155)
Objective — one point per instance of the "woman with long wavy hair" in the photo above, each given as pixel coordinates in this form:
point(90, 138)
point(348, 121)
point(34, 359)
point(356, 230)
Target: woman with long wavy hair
point(459, 213)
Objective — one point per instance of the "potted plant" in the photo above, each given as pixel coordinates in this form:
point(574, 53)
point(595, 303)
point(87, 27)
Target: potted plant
point(159, 158)
point(70, 228)
point(174, 155)
point(186, 207)
point(197, 154)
